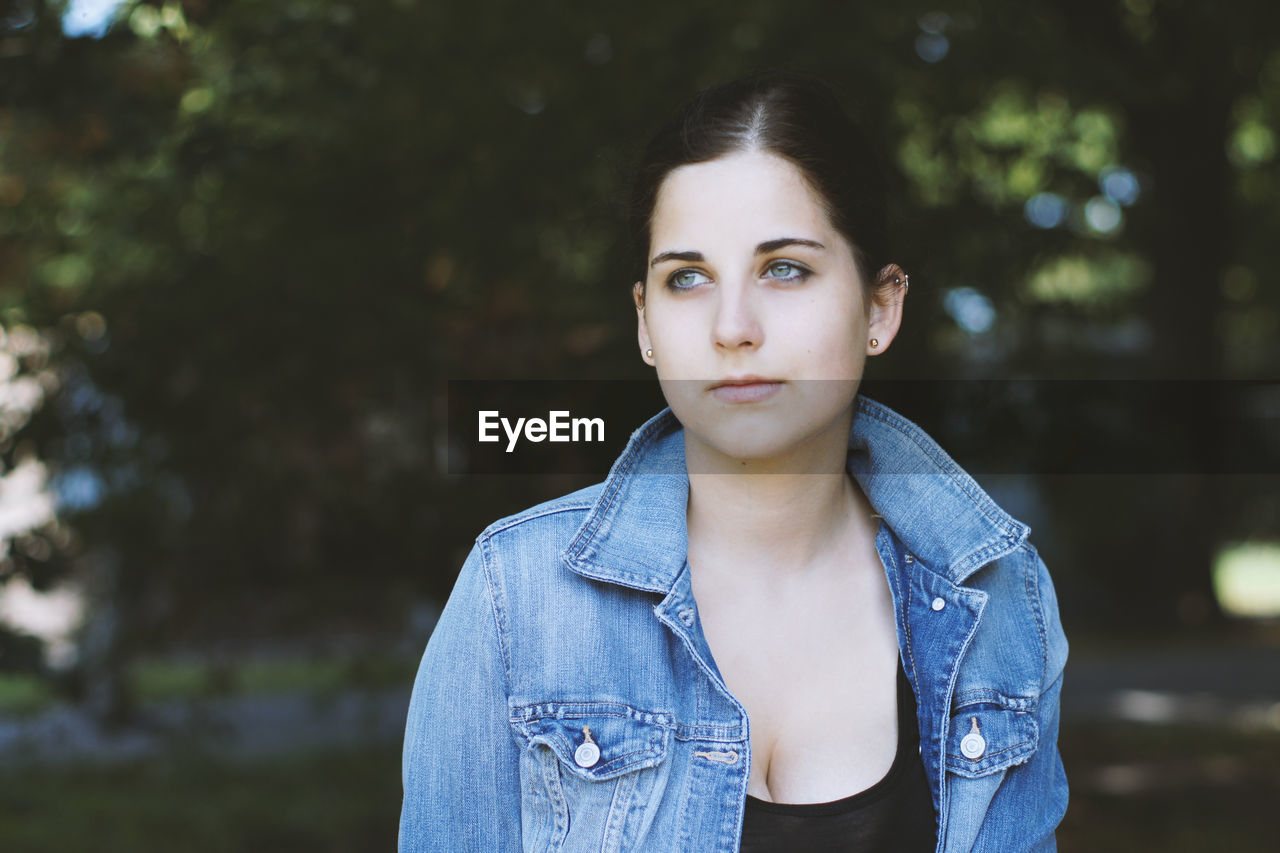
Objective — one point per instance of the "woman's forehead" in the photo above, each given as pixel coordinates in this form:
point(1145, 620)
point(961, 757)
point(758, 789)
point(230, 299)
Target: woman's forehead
point(749, 194)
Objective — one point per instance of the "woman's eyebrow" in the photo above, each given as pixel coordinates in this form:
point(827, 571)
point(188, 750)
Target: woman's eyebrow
point(675, 256)
point(763, 249)
point(773, 245)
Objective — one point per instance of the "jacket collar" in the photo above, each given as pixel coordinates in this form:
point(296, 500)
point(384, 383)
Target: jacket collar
point(635, 532)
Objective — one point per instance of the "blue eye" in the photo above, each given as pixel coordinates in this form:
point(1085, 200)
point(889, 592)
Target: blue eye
point(790, 271)
point(685, 279)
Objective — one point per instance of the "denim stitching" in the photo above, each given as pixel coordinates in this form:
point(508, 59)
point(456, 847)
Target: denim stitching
point(906, 621)
point(619, 806)
point(944, 799)
point(984, 764)
point(930, 449)
point(1037, 608)
point(497, 605)
point(984, 695)
point(614, 486)
point(727, 733)
point(587, 710)
point(524, 719)
point(885, 538)
point(621, 762)
point(1026, 743)
point(956, 475)
point(504, 524)
point(555, 793)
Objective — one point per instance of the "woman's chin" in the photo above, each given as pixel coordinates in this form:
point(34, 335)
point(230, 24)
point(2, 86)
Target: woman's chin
point(756, 445)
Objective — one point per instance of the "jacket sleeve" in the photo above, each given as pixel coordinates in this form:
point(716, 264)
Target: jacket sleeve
point(461, 763)
point(1032, 799)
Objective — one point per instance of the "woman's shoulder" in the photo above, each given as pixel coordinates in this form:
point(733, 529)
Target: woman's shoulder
point(1019, 616)
point(564, 512)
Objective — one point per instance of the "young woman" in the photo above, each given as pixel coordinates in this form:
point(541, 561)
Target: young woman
point(787, 620)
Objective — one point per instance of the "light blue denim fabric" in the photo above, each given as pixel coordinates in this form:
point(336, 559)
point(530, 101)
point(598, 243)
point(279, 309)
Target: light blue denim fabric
point(579, 613)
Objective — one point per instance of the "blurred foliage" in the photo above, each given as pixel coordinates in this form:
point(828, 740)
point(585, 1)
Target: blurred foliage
point(153, 680)
point(335, 802)
point(159, 679)
point(24, 694)
point(257, 237)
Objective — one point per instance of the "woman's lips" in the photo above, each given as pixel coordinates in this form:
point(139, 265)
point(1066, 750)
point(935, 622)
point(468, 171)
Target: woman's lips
point(746, 392)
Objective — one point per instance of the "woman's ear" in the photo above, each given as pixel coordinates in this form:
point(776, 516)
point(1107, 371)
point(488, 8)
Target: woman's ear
point(642, 328)
point(887, 295)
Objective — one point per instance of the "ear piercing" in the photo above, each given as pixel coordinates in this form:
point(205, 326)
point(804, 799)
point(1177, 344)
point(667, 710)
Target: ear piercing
point(874, 343)
point(648, 353)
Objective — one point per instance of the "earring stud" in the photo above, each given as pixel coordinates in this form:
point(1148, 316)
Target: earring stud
point(648, 353)
point(874, 343)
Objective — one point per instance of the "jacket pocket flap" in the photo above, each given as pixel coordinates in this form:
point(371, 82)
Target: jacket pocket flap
point(596, 740)
point(984, 740)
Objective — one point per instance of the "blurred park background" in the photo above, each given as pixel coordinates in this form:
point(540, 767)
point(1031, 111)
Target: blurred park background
point(243, 245)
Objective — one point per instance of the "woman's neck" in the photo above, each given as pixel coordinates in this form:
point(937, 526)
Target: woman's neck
point(776, 525)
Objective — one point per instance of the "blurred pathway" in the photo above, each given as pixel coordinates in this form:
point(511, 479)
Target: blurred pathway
point(1237, 687)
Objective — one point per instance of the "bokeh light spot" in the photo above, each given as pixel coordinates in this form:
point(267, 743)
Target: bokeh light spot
point(932, 47)
point(78, 488)
point(89, 17)
point(971, 310)
point(1102, 215)
point(91, 325)
point(1119, 184)
point(197, 100)
point(1045, 210)
point(1246, 579)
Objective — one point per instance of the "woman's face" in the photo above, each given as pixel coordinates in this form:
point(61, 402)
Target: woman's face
point(754, 309)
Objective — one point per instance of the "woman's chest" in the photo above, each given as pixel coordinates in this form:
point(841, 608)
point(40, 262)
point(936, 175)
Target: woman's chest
point(817, 680)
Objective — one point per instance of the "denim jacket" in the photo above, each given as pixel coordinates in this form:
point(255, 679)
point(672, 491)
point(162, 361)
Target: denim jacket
point(578, 614)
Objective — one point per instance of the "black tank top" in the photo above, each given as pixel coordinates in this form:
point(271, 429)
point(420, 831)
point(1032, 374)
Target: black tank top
point(894, 814)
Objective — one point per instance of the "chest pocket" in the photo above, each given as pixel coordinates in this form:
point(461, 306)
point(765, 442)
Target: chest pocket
point(591, 774)
point(987, 738)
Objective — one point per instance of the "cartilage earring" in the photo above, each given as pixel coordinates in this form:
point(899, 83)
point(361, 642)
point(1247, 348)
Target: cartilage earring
point(874, 343)
point(648, 353)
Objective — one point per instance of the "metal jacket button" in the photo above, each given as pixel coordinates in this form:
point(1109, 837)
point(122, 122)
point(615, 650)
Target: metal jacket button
point(587, 753)
point(973, 745)
point(938, 604)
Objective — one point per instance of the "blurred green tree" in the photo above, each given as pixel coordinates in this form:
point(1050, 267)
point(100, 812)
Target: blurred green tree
point(259, 236)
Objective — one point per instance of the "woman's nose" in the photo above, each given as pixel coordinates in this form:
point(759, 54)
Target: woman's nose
point(737, 319)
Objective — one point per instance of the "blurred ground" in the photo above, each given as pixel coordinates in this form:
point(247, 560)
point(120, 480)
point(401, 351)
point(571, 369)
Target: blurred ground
point(1172, 748)
point(1230, 684)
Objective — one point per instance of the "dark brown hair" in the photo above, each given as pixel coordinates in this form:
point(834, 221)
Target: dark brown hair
point(791, 115)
